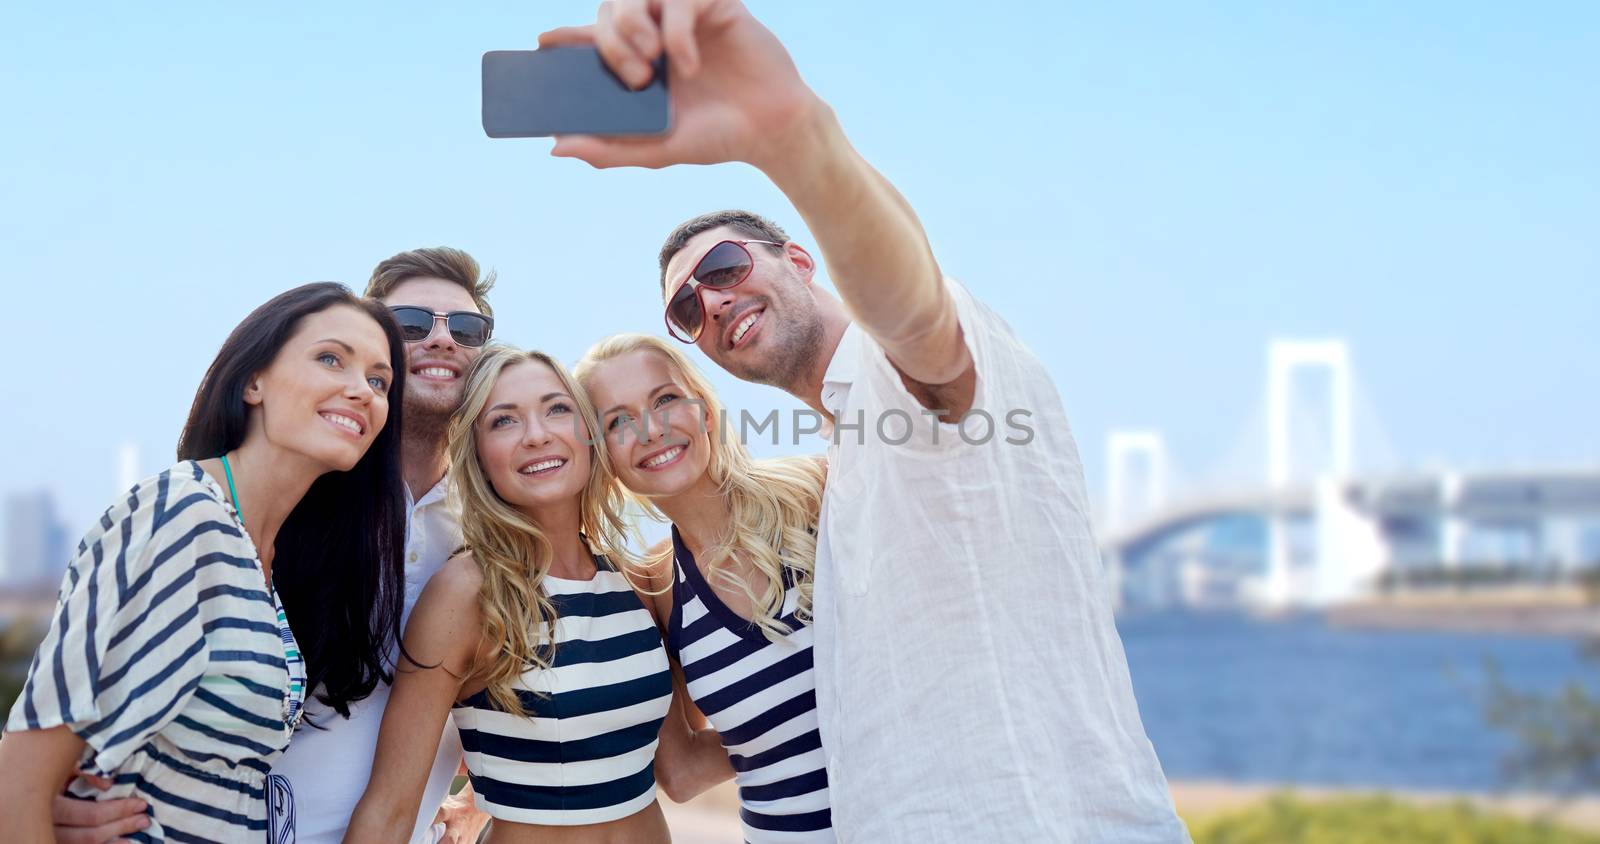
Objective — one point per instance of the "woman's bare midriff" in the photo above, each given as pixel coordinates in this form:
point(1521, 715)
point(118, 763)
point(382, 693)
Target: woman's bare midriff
point(646, 826)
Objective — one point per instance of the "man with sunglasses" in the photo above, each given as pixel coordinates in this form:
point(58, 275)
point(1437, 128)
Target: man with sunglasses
point(970, 681)
point(439, 299)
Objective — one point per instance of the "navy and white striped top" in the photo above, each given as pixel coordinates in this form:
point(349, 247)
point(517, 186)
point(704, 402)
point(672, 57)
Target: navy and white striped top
point(761, 696)
point(587, 754)
point(169, 656)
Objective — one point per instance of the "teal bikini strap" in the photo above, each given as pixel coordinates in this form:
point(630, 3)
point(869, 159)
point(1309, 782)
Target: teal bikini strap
point(233, 496)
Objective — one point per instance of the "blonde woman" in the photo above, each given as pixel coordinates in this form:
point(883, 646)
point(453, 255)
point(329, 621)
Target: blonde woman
point(735, 586)
point(532, 639)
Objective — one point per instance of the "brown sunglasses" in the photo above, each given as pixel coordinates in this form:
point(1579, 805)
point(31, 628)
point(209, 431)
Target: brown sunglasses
point(724, 266)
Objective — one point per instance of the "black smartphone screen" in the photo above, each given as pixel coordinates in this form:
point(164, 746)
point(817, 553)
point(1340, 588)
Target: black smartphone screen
point(566, 90)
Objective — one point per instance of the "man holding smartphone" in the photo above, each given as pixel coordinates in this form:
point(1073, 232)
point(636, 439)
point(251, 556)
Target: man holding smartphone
point(970, 681)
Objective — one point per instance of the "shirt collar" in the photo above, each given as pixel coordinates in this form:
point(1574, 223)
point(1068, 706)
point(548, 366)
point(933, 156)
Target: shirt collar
point(437, 493)
point(843, 370)
point(434, 494)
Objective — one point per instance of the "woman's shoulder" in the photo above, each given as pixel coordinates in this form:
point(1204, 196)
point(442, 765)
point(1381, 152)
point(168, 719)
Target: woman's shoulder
point(151, 540)
point(180, 493)
point(182, 486)
point(655, 564)
point(456, 583)
point(444, 628)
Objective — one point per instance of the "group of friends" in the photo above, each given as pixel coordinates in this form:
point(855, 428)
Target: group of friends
point(394, 549)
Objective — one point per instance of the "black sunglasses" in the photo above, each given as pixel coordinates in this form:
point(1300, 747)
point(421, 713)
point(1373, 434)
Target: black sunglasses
point(467, 328)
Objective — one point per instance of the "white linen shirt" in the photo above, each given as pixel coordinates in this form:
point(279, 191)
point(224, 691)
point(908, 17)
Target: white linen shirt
point(970, 681)
point(328, 769)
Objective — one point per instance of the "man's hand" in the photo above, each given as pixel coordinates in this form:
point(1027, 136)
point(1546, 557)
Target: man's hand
point(736, 95)
point(462, 821)
point(96, 821)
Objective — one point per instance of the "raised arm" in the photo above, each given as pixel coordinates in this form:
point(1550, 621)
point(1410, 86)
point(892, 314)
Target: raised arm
point(442, 637)
point(736, 96)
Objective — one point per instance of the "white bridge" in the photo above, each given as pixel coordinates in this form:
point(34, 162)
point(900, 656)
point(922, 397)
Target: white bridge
point(1315, 532)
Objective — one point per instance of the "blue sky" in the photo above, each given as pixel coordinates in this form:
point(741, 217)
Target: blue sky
point(1148, 192)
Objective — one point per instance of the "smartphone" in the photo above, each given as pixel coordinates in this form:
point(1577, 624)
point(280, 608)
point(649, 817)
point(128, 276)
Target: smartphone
point(567, 91)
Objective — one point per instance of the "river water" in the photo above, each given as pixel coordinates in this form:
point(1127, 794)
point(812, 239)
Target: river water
point(1296, 701)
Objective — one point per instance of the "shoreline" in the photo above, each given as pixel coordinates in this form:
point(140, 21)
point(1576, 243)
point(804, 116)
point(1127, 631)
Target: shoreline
point(1565, 612)
point(713, 817)
point(1200, 799)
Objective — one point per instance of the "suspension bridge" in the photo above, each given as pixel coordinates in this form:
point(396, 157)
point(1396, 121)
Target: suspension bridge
point(1314, 528)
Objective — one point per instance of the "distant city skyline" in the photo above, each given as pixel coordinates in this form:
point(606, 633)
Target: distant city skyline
point(34, 540)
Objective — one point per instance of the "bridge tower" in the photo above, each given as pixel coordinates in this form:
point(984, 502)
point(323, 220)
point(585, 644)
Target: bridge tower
point(1123, 447)
point(1452, 527)
point(1285, 360)
point(127, 465)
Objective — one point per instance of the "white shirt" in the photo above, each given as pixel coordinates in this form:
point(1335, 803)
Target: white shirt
point(970, 682)
point(328, 769)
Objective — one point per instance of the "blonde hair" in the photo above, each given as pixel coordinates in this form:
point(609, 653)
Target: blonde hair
point(512, 550)
point(773, 503)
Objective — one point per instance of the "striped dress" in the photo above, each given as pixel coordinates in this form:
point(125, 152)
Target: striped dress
point(761, 696)
point(587, 754)
point(170, 657)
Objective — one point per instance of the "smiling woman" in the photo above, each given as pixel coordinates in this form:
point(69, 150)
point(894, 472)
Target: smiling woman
point(209, 599)
point(735, 585)
point(533, 640)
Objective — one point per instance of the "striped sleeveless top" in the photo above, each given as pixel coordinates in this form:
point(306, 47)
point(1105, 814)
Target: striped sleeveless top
point(172, 659)
point(761, 696)
point(587, 754)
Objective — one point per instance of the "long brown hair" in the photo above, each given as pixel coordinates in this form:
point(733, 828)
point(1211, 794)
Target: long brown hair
point(338, 564)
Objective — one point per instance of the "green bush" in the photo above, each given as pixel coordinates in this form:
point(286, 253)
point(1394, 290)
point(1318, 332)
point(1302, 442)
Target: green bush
point(17, 643)
point(1286, 819)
